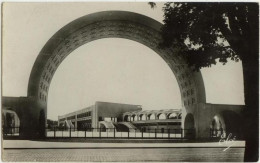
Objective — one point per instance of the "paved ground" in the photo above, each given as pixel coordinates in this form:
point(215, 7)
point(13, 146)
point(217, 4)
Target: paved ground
point(29, 151)
point(44, 144)
point(125, 155)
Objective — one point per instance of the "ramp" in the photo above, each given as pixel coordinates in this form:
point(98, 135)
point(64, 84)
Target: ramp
point(108, 125)
point(69, 124)
point(129, 125)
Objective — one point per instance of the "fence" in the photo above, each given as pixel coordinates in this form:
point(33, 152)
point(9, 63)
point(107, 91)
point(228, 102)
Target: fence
point(56, 132)
point(113, 133)
point(221, 133)
point(11, 131)
point(215, 133)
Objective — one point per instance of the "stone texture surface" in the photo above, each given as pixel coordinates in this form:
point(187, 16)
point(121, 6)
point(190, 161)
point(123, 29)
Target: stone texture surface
point(123, 155)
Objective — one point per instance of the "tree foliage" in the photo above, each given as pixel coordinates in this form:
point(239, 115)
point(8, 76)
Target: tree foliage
point(211, 31)
point(152, 4)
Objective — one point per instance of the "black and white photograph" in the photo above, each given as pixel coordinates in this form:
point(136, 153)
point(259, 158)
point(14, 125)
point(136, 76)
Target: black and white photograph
point(130, 81)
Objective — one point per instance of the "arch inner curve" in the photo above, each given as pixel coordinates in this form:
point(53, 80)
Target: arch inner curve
point(111, 24)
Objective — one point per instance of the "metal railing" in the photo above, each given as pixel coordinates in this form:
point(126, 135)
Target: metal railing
point(113, 133)
point(11, 131)
point(58, 132)
point(221, 133)
point(215, 133)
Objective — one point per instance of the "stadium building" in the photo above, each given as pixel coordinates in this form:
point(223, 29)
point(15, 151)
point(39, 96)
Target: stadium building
point(122, 117)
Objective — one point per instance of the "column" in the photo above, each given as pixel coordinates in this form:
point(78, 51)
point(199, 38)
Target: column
point(76, 121)
point(156, 117)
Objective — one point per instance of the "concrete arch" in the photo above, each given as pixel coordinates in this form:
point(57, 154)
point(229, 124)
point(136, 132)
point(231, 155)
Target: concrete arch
point(227, 122)
point(217, 126)
point(172, 116)
point(180, 116)
point(161, 116)
point(126, 118)
point(151, 116)
point(134, 116)
point(142, 117)
point(108, 24)
point(189, 122)
point(233, 123)
point(10, 119)
point(218, 122)
point(189, 126)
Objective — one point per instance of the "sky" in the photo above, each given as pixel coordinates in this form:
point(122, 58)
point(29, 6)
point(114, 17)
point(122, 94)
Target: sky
point(112, 70)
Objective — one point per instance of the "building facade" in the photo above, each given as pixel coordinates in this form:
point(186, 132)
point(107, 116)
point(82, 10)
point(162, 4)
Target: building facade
point(91, 116)
point(121, 117)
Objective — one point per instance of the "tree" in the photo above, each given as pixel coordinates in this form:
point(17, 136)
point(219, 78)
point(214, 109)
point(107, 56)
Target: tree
point(209, 32)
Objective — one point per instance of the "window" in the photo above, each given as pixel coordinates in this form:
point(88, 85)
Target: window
point(52, 71)
point(52, 57)
point(193, 100)
point(82, 115)
point(174, 61)
point(188, 92)
point(43, 76)
point(61, 52)
point(62, 56)
point(48, 65)
point(55, 60)
point(76, 40)
point(71, 117)
point(184, 94)
point(59, 48)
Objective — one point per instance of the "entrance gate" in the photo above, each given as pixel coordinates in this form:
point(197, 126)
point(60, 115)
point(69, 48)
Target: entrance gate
point(108, 24)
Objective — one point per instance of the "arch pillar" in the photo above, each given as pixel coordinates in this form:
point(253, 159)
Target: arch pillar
point(146, 117)
point(32, 115)
point(201, 120)
point(156, 116)
point(203, 114)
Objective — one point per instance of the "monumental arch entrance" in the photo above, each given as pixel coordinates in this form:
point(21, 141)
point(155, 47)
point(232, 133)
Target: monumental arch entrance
point(107, 24)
